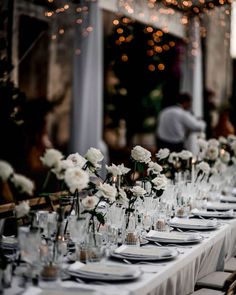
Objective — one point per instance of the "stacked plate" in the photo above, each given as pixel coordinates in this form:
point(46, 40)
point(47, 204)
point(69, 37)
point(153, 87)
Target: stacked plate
point(228, 199)
point(147, 253)
point(218, 206)
point(194, 223)
point(173, 237)
point(213, 214)
point(103, 272)
point(9, 243)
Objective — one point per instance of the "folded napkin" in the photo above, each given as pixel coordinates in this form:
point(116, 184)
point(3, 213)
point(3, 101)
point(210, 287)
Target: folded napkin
point(142, 251)
point(173, 235)
point(212, 213)
point(220, 206)
point(101, 269)
point(193, 222)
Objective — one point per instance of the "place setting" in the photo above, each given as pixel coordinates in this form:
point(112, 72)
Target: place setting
point(173, 237)
point(144, 254)
point(213, 214)
point(194, 224)
point(103, 272)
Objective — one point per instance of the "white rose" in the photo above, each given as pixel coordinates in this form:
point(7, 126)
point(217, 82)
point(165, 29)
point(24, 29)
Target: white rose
point(23, 184)
point(163, 153)
point(61, 168)
point(76, 179)
point(204, 167)
point(22, 209)
point(233, 146)
point(202, 144)
point(185, 155)
point(124, 170)
point(90, 202)
point(94, 156)
point(154, 167)
point(234, 160)
point(231, 138)
point(173, 157)
point(114, 170)
point(160, 182)
point(138, 191)
point(122, 197)
point(212, 153)
point(213, 142)
point(108, 191)
point(77, 160)
point(222, 140)
point(51, 158)
point(219, 166)
point(225, 157)
point(6, 170)
point(140, 154)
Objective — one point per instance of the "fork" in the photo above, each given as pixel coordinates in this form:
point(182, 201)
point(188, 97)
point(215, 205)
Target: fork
point(143, 262)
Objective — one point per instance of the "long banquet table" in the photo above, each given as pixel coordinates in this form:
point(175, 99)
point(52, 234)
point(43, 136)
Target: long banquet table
point(175, 277)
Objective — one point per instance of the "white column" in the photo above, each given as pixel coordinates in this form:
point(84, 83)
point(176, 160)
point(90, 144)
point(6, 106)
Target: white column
point(192, 82)
point(87, 90)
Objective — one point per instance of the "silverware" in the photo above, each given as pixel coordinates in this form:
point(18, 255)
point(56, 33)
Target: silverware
point(143, 262)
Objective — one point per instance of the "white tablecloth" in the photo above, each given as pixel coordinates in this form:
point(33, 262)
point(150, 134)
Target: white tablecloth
point(176, 277)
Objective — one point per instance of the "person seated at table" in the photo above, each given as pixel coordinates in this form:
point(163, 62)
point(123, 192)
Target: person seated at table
point(175, 123)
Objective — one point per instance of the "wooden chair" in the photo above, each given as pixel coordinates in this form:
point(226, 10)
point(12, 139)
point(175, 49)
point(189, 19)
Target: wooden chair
point(217, 280)
point(230, 265)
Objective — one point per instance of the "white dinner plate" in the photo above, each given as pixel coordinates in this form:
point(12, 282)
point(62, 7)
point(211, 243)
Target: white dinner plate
point(173, 237)
point(213, 214)
point(194, 224)
point(102, 272)
point(147, 253)
point(228, 199)
point(218, 206)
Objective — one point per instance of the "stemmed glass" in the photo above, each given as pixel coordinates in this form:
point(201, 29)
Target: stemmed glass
point(30, 242)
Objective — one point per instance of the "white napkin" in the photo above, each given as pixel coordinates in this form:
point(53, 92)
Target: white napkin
point(142, 251)
point(173, 235)
point(193, 222)
point(101, 269)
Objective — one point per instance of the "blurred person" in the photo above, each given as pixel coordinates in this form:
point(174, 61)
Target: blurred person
point(224, 127)
point(209, 111)
point(175, 123)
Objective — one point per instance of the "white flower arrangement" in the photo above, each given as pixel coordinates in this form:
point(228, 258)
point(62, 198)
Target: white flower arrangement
point(203, 167)
point(6, 170)
point(163, 154)
point(22, 209)
point(108, 191)
point(90, 202)
point(212, 153)
point(213, 142)
point(160, 182)
point(76, 179)
point(23, 184)
point(140, 154)
point(153, 167)
point(124, 170)
point(94, 156)
point(52, 158)
point(185, 155)
point(114, 170)
point(138, 191)
point(77, 160)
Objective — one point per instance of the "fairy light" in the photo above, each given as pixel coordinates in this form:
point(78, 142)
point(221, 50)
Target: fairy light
point(151, 68)
point(120, 31)
point(115, 22)
point(124, 57)
point(161, 67)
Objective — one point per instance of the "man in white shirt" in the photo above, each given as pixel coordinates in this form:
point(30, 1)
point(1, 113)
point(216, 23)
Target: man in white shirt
point(175, 123)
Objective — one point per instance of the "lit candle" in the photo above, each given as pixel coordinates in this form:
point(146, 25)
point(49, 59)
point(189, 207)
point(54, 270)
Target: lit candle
point(193, 170)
